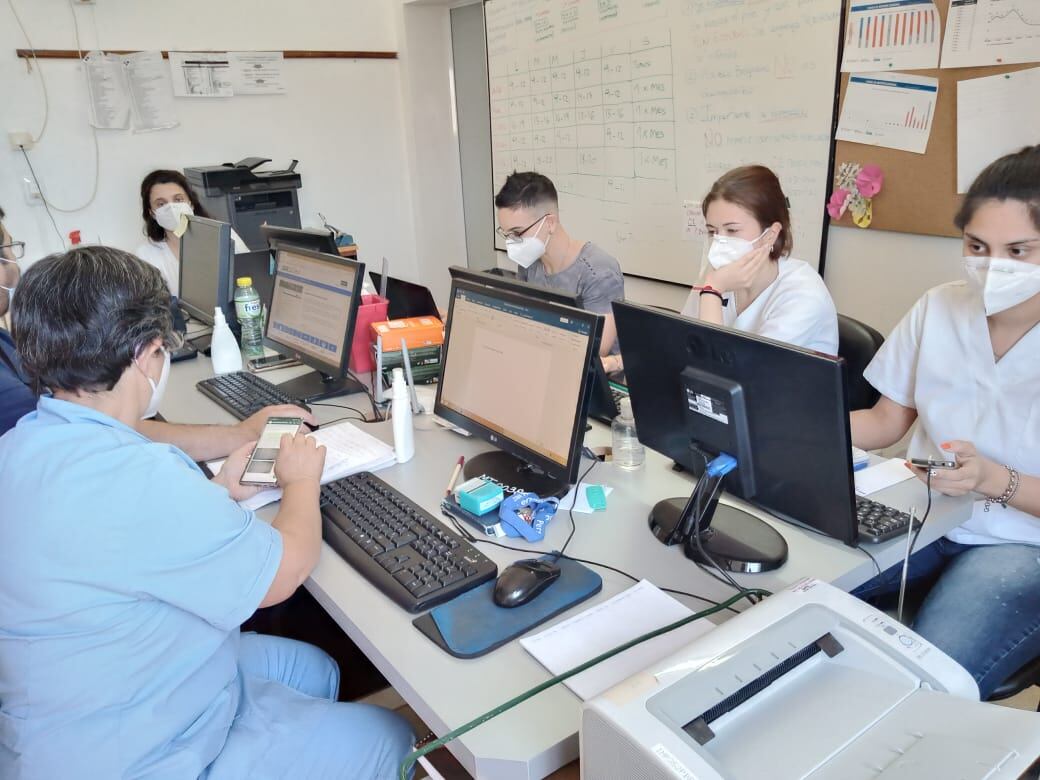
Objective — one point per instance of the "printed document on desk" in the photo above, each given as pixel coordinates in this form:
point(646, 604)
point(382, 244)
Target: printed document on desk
point(348, 450)
point(892, 35)
point(632, 613)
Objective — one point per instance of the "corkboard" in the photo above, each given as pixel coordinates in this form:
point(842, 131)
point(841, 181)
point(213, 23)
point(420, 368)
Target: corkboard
point(920, 190)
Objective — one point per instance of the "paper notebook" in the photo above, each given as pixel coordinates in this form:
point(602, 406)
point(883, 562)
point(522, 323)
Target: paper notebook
point(632, 613)
point(348, 450)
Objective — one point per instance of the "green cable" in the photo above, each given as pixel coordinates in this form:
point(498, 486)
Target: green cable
point(411, 758)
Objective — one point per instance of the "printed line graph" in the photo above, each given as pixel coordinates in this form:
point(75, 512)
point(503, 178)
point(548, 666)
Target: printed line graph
point(1010, 21)
point(992, 32)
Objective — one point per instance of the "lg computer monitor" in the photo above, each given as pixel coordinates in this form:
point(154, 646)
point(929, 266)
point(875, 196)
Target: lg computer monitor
point(515, 371)
point(313, 309)
point(781, 411)
point(302, 238)
point(407, 299)
point(206, 269)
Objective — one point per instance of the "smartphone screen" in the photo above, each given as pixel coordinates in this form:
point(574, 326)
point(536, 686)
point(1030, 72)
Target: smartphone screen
point(260, 468)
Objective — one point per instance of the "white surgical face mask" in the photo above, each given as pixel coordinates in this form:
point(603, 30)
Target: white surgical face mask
point(1002, 282)
point(158, 389)
point(8, 290)
point(527, 251)
point(169, 215)
point(728, 249)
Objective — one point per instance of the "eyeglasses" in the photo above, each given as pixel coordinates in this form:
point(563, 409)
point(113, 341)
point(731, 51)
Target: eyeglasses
point(16, 249)
point(516, 235)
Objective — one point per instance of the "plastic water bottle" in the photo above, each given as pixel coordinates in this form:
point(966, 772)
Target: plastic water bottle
point(224, 349)
point(250, 316)
point(401, 409)
point(628, 453)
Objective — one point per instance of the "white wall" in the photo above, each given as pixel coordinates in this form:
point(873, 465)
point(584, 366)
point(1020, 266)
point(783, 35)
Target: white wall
point(342, 119)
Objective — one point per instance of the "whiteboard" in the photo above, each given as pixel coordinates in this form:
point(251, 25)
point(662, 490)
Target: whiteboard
point(635, 107)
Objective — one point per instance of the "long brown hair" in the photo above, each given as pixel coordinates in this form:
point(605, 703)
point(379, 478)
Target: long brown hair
point(152, 228)
point(756, 189)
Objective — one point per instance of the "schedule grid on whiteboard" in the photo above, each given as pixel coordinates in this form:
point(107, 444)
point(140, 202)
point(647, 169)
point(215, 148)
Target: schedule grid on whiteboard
point(632, 107)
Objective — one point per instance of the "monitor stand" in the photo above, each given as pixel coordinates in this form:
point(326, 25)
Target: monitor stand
point(734, 539)
point(511, 472)
point(314, 386)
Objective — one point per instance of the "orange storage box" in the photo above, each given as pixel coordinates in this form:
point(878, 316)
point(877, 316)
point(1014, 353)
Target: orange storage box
point(416, 332)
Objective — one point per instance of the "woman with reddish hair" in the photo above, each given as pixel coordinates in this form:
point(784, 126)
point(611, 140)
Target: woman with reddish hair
point(751, 281)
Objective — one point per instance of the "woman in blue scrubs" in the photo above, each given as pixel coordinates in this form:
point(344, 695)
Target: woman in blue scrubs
point(126, 573)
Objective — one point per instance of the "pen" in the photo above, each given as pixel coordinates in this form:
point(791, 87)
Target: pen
point(455, 475)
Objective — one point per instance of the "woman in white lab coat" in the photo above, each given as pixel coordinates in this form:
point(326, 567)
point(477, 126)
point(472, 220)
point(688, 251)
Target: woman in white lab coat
point(965, 364)
point(165, 197)
point(750, 281)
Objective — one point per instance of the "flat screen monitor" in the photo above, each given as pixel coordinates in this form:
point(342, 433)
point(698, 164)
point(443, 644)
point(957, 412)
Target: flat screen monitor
point(781, 411)
point(303, 238)
point(515, 372)
point(313, 309)
point(206, 269)
point(407, 299)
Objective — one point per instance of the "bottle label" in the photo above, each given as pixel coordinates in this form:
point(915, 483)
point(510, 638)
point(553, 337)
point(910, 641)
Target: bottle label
point(247, 309)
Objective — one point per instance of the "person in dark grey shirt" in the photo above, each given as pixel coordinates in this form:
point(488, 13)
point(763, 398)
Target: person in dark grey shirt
point(529, 222)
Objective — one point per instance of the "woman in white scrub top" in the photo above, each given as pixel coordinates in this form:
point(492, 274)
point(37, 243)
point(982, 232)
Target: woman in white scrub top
point(965, 364)
point(750, 281)
point(165, 196)
point(126, 573)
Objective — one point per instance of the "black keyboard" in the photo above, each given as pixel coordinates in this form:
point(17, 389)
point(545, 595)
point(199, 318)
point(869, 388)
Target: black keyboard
point(879, 523)
point(397, 546)
point(243, 394)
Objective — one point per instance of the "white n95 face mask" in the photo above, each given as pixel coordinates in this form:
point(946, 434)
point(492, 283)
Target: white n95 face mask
point(527, 251)
point(728, 249)
point(1002, 282)
point(158, 389)
point(169, 215)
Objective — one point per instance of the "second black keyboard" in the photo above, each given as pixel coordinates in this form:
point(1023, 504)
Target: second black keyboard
point(879, 523)
point(243, 394)
point(397, 546)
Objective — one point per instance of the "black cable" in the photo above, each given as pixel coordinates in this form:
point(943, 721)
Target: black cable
point(927, 511)
point(697, 534)
point(371, 398)
point(39, 189)
point(570, 509)
point(873, 560)
point(361, 415)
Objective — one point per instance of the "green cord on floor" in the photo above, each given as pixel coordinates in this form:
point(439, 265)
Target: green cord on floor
point(411, 758)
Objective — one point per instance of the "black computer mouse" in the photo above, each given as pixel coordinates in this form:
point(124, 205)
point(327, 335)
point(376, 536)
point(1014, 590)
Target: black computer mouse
point(522, 581)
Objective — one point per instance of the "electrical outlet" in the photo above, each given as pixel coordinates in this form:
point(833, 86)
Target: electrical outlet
point(32, 193)
point(20, 140)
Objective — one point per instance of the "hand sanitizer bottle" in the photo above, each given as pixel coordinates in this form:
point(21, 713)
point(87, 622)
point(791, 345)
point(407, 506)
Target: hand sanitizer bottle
point(224, 349)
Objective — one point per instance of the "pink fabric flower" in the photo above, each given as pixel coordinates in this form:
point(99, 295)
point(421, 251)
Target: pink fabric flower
point(869, 181)
point(836, 205)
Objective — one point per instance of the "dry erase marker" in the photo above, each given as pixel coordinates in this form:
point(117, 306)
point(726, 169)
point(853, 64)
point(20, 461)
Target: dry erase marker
point(455, 475)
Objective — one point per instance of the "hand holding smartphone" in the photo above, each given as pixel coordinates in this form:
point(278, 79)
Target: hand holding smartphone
point(260, 467)
point(947, 460)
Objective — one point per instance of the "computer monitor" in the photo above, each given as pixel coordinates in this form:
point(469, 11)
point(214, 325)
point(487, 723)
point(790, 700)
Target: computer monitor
point(206, 269)
point(602, 406)
point(312, 314)
point(407, 299)
point(317, 240)
point(515, 372)
point(781, 411)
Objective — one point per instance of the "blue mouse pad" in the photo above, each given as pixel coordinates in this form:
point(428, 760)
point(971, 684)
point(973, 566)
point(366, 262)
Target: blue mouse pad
point(472, 624)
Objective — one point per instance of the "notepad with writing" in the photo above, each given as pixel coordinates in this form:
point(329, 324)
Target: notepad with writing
point(632, 613)
point(348, 450)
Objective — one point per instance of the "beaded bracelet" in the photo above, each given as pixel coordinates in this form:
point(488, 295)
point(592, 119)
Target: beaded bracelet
point(1009, 492)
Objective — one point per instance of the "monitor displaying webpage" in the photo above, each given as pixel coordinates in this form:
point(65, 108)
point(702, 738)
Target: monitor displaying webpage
point(516, 369)
point(310, 306)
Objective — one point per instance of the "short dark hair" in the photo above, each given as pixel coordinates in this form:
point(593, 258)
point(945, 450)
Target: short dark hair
point(526, 189)
point(756, 189)
point(82, 316)
point(152, 228)
point(1013, 177)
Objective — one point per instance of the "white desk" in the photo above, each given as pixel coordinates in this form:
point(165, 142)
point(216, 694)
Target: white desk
point(540, 735)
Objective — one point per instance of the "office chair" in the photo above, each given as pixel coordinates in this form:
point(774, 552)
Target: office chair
point(858, 343)
point(1026, 677)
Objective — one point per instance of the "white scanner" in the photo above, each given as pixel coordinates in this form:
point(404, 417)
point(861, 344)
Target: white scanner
point(809, 683)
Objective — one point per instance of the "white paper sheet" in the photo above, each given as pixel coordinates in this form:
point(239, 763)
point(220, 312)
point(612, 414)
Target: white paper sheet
point(151, 98)
point(636, 611)
point(107, 90)
point(582, 502)
point(996, 115)
point(901, 35)
point(257, 72)
point(201, 74)
point(991, 32)
point(894, 110)
point(883, 475)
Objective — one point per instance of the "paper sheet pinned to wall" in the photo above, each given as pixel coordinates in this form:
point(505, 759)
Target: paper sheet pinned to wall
point(107, 90)
point(991, 32)
point(996, 115)
point(151, 99)
point(894, 110)
point(201, 74)
point(257, 72)
point(901, 35)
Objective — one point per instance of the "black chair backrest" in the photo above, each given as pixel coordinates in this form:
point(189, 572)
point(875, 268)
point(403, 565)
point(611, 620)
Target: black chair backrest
point(858, 343)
